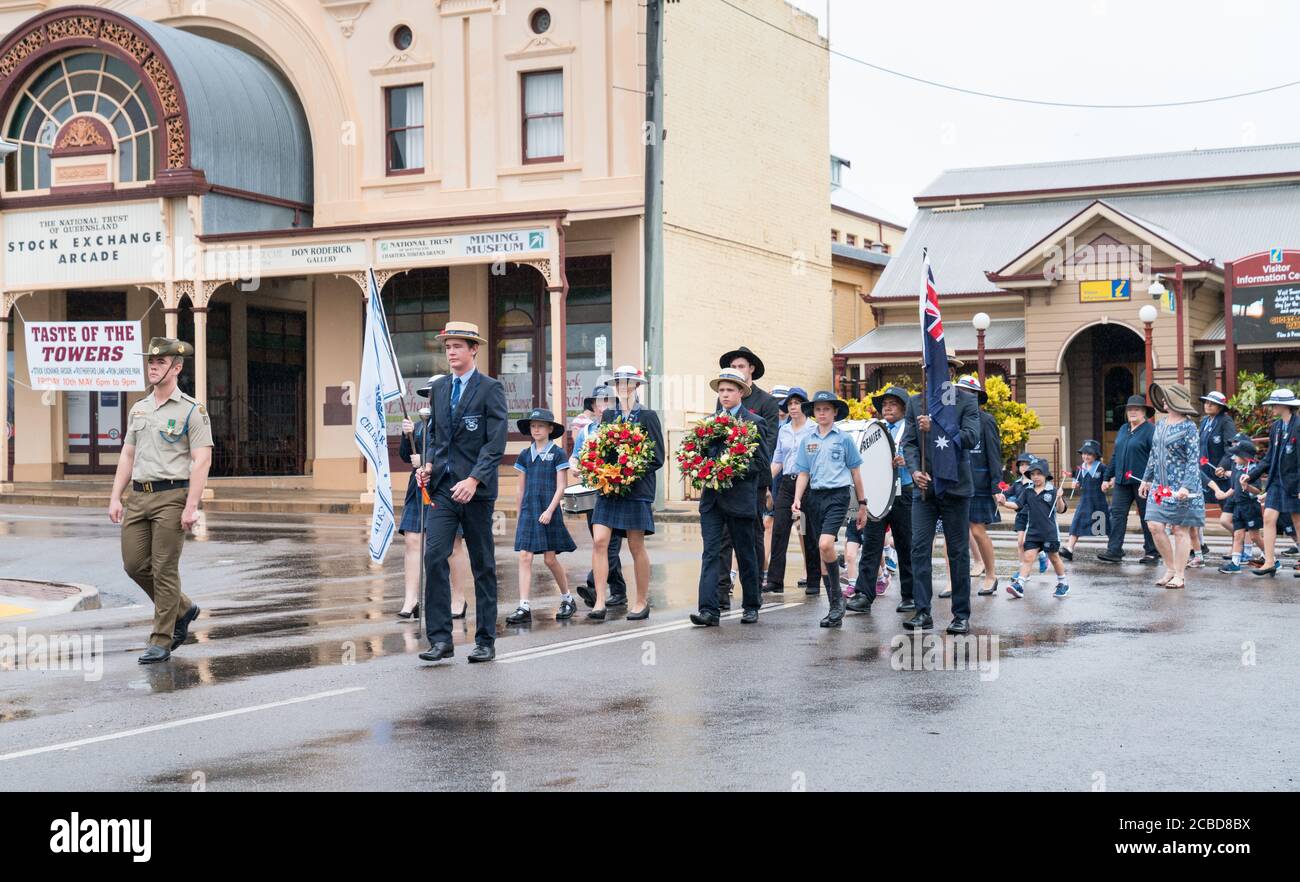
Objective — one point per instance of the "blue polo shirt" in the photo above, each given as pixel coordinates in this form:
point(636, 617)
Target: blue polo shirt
point(786, 441)
point(828, 460)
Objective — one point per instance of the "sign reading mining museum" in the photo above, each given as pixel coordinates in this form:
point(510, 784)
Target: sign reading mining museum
point(483, 246)
point(121, 242)
point(1266, 298)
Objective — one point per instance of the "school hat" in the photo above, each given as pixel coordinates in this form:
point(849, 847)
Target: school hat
point(780, 393)
point(628, 373)
point(1283, 396)
point(601, 391)
point(971, 383)
point(427, 389)
point(461, 331)
point(1172, 398)
point(878, 401)
point(1090, 446)
point(540, 415)
point(730, 375)
point(825, 397)
point(1244, 449)
point(746, 353)
point(1039, 465)
point(1136, 401)
point(795, 392)
point(1025, 457)
point(159, 346)
point(1217, 397)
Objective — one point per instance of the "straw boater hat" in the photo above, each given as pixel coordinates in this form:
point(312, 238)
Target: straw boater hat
point(540, 415)
point(629, 374)
point(780, 393)
point(971, 383)
point(1283, 396)
point(1172, 397)
point(746, 353)
point(730, 375)
point(462, 331)
point(824, 397)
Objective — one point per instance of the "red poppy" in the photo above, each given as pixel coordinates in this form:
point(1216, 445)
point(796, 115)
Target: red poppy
point(1003, 486)
point(1205, 460)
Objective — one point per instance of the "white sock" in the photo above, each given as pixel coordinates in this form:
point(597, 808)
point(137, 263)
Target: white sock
point(566, 596)
point(524, 604)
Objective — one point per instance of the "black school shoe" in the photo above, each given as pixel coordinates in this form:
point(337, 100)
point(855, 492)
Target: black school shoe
point(520, 616)
point(567, 609)
point(587, 593)
point(1067, 554)
point(182, 630)
point(919, 622)
point(704, 620)
point(481, 653)
point(1149, 559)
point(859, 602)
point(1110, 556)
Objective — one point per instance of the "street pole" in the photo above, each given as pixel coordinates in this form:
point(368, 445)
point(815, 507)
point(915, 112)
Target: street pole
point(654, 202)
point(1178, 319)
point(979, 337)
point(1229, 349)
point(1147, 390)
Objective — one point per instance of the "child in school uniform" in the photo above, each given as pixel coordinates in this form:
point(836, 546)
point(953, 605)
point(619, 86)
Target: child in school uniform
point(541, 527)
point(1241, 505)
point(1006, 499)
point(1092, 516)
point(1041, 502)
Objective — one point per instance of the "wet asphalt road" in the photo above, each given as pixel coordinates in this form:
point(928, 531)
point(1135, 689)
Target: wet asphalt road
point(298, 677)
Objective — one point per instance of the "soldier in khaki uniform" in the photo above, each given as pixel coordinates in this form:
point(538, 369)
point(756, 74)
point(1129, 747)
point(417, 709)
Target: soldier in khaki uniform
point(166, 456)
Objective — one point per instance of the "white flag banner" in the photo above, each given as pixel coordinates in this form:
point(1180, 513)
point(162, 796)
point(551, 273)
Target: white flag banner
point(380, 383)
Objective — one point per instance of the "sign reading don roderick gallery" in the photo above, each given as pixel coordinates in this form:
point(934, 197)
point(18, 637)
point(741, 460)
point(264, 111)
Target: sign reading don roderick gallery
point(1266, 298)
point(120, 242)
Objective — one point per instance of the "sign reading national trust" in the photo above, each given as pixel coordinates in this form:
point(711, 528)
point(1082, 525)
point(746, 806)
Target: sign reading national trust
point(120, 242)
point(1266, 298)
point(464, 246)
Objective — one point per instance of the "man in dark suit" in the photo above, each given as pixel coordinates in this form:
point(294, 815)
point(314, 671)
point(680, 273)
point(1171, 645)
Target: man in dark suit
point(953, 506)
point(1128, 462)
point(732, 509)
point(464, 443)
point(765, 406)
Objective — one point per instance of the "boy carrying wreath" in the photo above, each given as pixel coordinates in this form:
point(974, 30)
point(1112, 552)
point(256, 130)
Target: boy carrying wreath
point(724, 457)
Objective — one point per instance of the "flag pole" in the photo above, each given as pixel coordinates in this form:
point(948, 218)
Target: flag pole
point(925, 386)
point(416, 458)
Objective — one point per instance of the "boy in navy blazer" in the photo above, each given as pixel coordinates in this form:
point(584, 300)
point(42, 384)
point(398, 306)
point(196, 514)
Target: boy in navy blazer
point(464, 444)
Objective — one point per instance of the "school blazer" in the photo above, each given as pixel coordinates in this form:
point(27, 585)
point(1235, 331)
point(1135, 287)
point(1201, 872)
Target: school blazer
point(474, 437)
point(740, 500)
point(1278, 463)
point(969, 428)
point(764, 406)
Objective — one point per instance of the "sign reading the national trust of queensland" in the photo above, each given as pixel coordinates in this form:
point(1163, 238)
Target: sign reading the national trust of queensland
point(1266, 297)
point(487, 246)
point(1105, 290)
point(121, 242)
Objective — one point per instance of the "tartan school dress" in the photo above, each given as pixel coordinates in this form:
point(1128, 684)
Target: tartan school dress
point(635, 511)
point(413, 507)
point(541, 472)
point(1091, 500)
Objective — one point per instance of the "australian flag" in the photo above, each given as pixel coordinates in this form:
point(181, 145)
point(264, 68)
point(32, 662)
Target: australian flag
point(942, 442)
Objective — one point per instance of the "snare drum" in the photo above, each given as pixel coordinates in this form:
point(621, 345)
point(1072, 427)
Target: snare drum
point(579, 499)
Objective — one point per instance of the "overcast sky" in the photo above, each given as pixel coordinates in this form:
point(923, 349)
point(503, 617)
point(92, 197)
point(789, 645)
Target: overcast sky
point(899, 135)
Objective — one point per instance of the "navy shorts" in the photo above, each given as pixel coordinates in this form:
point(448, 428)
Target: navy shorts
point(1042, 545)
point(825, 510)
point(851, 531)
point(1247, 516)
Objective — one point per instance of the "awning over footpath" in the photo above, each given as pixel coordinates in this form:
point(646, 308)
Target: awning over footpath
point(890, 341)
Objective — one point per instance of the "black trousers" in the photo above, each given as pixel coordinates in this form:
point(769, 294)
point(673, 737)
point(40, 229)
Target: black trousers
point(955, 512)
point(1121, 500)
point(713, 523)
point(617, 587)
point(783, 524)
point(725, 547)
point(441, 521)
point(899, 520)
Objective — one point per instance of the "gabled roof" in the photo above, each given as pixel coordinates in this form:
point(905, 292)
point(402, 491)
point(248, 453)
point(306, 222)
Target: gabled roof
point(854, 203)
point(1223, 224)
point(1117, 171)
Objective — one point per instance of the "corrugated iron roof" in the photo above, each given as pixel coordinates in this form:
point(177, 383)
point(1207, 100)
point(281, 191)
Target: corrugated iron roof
point(1223, 223)
point(1116, 170)
point(1214, 333)
point(247, 127)
point(863, 255)
point(1003, 334)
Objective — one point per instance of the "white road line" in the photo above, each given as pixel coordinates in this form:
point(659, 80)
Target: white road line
point(630, 634)
point(144, 730)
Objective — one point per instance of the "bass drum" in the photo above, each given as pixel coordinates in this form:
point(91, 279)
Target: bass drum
point(880, 480)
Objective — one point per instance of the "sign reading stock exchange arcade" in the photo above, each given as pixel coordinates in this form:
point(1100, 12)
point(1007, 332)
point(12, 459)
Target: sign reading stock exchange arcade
point(121, 242)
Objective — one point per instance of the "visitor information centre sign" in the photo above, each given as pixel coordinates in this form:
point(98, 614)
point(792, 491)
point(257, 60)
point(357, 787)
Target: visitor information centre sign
point(1266, 298)
point(89, 356)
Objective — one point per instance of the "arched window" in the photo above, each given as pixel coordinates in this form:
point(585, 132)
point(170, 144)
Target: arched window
point(79, 84)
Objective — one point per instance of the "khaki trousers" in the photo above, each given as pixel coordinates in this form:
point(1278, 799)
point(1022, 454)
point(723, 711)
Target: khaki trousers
point(151, 555)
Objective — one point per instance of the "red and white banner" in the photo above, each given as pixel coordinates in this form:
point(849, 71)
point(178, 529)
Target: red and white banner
point(85, 356)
